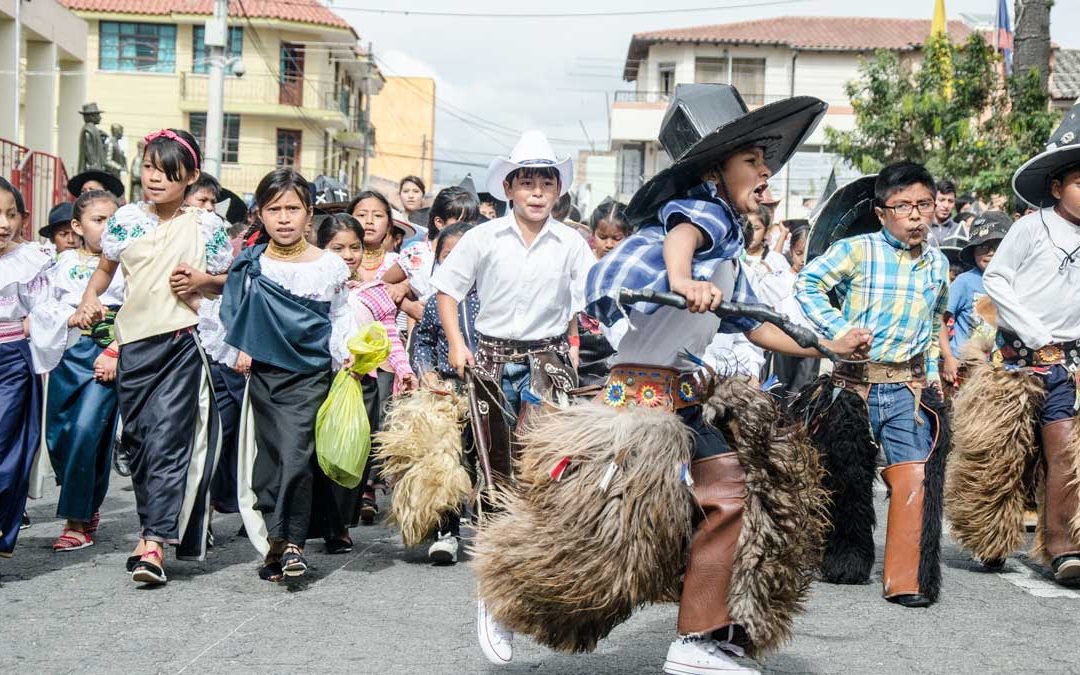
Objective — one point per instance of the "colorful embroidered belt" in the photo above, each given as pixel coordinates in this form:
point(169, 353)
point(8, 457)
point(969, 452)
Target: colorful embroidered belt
point(103, 332)
point(11, 331)
point(1015, 353)
point(497, 350)
point(653, 387)
point(875, 372)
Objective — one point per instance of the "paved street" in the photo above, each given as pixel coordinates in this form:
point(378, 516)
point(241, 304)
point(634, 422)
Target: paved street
point(382, 609)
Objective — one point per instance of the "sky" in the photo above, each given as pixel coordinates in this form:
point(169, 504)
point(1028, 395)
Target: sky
point(498, 76)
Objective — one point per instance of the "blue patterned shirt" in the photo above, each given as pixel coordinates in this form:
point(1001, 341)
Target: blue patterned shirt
point(898, 297)
point(638, 262)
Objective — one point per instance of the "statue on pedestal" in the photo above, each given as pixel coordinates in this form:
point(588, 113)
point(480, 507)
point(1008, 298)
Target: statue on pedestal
point(136, 173)
point(115, 159)
point(91, 147)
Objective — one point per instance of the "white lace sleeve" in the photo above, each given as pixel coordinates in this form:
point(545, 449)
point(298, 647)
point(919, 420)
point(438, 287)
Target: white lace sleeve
point(125, 226)
point(219, 253)
point(49, 332)
point(343, 326)
point(212, 334)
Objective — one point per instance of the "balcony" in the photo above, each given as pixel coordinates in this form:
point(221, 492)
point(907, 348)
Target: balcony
point(268, 96)
point(636, 115)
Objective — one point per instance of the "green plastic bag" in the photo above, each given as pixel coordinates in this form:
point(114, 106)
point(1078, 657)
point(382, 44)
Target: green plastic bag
point(342, 431)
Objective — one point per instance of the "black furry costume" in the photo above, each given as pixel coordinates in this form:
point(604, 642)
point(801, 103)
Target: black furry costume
point(839, 427)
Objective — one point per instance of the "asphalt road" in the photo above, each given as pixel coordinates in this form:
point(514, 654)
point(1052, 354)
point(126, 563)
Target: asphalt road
point(383, 609)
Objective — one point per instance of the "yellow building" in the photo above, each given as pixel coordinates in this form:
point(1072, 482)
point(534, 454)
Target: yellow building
point(404, 115)
point(300, 100)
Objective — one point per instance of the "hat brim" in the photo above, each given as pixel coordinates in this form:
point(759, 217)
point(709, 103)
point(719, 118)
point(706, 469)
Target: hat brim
point(1031, 182)
point(848, 212)
point(111, 183)
point(967, 254)
point(404, 226)
point(500, 168)
point(779, 128)
point(49, 230)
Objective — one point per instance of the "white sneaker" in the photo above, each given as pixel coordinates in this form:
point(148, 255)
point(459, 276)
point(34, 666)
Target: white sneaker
point(444, 550)
point(496, 641)
point(700, 656)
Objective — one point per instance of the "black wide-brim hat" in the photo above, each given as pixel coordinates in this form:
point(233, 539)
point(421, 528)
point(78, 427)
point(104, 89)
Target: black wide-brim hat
point(952, 247)
point(1031, 182)
point(237, 210)
point(849, 211)
point(60, 215)
point(707, 122)
point(989, 226)
point(111, 183)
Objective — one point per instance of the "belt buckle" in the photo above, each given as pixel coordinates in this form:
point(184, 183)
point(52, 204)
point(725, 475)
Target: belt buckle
point(1050, 354)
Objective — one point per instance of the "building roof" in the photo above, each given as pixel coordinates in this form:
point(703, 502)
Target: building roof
point(1065, 75)
point(300, 11)
point(814, 33)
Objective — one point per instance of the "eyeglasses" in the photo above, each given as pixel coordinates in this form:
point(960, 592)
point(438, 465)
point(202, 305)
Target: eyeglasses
point(904, 209)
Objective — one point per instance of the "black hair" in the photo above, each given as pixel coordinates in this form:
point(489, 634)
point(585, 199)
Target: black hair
point(86, 198)
point(172, 157)
point(338, 222)
point(613, 212)
point(416, 180)
point(964, 200)
point(798, 229)
point(20, 205)
point(538, 172)
point(765, 214)
point(280, 181)
point(452, 203)
point(370, 194)
point(204, 182)
point(574, 215)
point(946, 187)
point(1064, 171)
point(449, 232)
point(561, 211)
point(900, 175)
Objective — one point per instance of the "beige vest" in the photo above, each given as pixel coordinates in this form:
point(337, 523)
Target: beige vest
point(150, 307)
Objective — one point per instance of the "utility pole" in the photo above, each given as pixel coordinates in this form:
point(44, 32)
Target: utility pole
point(18, 66)
point(216, 34)
point(365, 123)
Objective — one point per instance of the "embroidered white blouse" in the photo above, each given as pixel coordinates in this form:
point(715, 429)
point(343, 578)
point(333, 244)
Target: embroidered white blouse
point(322, 279)
point(25, 293)
point(133, 221)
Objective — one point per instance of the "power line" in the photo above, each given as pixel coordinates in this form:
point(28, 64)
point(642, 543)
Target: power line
point(557, 15)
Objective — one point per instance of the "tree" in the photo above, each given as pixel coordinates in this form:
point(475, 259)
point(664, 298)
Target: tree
point(1031, 42)
point(954, 113)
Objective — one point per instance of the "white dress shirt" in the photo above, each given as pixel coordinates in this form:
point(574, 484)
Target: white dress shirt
point(1035, 288)
point(526, 292)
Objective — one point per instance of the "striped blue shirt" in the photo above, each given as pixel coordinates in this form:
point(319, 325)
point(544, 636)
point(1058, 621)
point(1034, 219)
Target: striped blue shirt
point(638, 262)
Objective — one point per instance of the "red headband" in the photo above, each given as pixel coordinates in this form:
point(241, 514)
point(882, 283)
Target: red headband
point(173, 136)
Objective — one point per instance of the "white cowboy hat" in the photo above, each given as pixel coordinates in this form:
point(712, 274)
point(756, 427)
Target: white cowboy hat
point(533, 151)
point(398, 220)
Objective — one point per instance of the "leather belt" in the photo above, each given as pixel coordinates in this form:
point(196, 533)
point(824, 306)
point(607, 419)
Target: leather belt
point(1015, 353)
point(654, 387)
point(874, 372)
point(497, 350)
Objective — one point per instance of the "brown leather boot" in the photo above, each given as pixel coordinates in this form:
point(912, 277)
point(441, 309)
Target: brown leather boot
point(720, 492)
point(903, 532)
point(1060, 502)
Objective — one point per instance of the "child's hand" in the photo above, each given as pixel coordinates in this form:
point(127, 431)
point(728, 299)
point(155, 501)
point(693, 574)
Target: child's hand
point(408, 382)
point(459, 357)
point(105, 368)
point(950, 367)
point(701, 296)
point(243, 363)
point(855, 343)
point(90, 311)
point(186, 279)
point(398, 292)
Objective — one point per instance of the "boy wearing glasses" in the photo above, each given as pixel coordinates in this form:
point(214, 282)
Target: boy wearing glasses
point(1019, 409)
point(895, 284)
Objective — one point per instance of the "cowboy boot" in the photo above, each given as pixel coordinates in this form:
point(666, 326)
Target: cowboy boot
point(720, 492)
point(903, 532)
point(1060, 502)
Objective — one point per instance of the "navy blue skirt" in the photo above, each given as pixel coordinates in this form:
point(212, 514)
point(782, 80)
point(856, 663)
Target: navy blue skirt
point(20, 435)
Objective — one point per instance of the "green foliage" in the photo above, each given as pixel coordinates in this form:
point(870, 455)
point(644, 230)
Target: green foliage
point(955, 114)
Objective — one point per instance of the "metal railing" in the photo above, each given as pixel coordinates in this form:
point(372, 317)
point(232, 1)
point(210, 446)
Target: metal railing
point(265, 89)
point(641, 97)
point(39, 176)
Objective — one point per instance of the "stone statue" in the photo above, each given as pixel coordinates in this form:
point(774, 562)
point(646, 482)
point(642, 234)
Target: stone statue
point(115, 160)
point(136, 173)
point(91, 148)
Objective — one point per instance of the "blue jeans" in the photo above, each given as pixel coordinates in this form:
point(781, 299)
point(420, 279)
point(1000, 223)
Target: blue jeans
point(515, 380)
point(892, 420)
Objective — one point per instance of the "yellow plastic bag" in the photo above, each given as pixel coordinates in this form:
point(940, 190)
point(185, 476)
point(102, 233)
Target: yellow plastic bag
point(342, 431)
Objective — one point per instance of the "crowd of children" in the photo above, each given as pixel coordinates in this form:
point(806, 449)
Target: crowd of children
point(192, 348)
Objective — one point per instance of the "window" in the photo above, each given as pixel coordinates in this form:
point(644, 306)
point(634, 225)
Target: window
point(631, 165)
point(234, 46)
point(667, 78)
point(139, 47)
point(708, 70)
point(748, 76)
point(288, 147)
point(230, 135)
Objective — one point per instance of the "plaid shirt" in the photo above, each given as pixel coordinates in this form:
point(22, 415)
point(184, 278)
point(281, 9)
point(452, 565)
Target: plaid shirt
point(883, 288)
point(638, 262)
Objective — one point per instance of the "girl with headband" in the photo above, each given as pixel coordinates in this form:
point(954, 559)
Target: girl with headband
point(163, 383)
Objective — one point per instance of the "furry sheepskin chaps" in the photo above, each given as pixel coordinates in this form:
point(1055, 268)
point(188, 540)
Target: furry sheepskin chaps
point(839, 425)
point(421, 451)
point(996, 446)
point(565, 562)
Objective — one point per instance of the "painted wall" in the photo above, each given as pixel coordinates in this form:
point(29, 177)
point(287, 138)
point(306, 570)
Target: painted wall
point(404, 118)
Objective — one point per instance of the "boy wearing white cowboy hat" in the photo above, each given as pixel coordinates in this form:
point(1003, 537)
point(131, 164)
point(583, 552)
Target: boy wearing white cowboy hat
point(1034, 283)
point(529, 273)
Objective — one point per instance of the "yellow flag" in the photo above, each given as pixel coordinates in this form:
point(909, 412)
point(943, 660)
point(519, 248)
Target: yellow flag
point(939, 26)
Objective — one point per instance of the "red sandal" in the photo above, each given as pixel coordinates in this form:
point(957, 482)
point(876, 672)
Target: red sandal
point(147, 572)
point(72, 540)
point(94, 521)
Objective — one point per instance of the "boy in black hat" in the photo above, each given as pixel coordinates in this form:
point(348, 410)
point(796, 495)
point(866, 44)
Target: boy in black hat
point(59, 231)
point(1030, 381)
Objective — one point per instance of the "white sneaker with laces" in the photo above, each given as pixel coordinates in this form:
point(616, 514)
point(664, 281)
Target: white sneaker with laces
point(496, 642)
point(700, 655)
point(444, 550)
